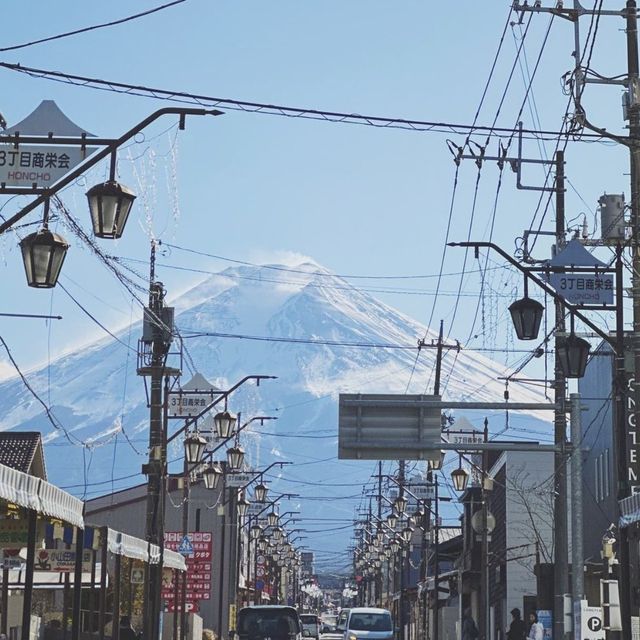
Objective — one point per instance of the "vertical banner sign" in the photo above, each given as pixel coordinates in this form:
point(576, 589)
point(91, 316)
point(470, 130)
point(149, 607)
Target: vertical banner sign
point(632, 464)
point(632, 439)
point(198, 570)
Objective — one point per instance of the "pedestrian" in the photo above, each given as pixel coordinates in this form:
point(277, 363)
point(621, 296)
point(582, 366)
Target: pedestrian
point(126, 630)
point(469, 629)
point(536, 630)
point(517, 629)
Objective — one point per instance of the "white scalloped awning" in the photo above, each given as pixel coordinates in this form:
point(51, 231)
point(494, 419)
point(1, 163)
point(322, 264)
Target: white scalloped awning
point(131, 547)
point(37, 494)
point(630, 510)
point(174, 560)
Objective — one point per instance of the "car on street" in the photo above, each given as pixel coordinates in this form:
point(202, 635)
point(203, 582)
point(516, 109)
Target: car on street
point(368, 623)
point(328, 623)
point(310, 623)
point(268, 621)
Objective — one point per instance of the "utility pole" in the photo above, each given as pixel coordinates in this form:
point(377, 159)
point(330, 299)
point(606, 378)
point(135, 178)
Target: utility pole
point(152, 354)
point(560, 529)
point(633, 85)
point(577, 555)
point(484, 567)
point(401, 602)
point(436, 384)
point(430, 479)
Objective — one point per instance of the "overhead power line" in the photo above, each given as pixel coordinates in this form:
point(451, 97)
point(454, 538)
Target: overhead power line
point(94, 27)
point(382, 122)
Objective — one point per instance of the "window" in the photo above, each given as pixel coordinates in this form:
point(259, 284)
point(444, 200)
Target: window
point(370, 622)
point(597, 479)
point(605, 472)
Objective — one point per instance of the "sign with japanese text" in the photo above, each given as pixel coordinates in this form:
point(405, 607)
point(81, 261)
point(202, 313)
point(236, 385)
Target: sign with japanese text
point(61, 560)
point(581, 287)
point(185, 404)
point(42, 165)
point(198, 567)
point(239, 479)
point(10, 559)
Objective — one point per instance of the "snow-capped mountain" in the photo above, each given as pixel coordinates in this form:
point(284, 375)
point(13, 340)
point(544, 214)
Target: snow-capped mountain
point(96, 394)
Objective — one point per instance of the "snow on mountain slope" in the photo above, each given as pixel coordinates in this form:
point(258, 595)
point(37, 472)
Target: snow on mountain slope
point(95, 391)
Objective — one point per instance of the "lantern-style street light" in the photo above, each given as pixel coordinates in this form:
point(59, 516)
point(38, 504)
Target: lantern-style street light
point(400, 504)
point(243, 506)
point(194, 445)
point(43, 254)
point(272, 518)
point(255, 531)
point(436, 464)
point(526, 315)
point(573, 353)
point(211, 476)
point(459, 477)
point(224, 424)
point(110, 204)
point(235, 457)
point(260, 492)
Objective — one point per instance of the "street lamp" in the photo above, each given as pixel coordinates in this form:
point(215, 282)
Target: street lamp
point(459, 477)
point(194, 445)
point(255, 531)
point(573, 353)
point(436, 465)
point(395, 546)
point(526, 315)
point(211, 476)
point(235, 457)
point(260, 492)
point(262, 544)
point(43, 253)
point(224, 423)
point(243, 505)
point(400, 504)
point(110, 204)
point(272, 519)
point(392, 520)
point(406, 534)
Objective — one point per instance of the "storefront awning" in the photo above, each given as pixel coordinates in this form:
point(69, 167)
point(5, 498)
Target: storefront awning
point(630, 510)
point(38, 495)
point(174, 560)
point(122, 544)
point(131, 547)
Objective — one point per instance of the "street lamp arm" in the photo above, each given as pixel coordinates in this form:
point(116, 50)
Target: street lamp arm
point(71, 177)
point(223, 396)
point(260, 473)
point(542, 284)
point(241, 428)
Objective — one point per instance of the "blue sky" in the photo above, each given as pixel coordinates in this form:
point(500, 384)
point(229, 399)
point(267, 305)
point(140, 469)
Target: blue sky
point(256, 187)
point(356, 199)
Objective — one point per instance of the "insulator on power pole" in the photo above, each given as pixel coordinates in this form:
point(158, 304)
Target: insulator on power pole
point(612, 223)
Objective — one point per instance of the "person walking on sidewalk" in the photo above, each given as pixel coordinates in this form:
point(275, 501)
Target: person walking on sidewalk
point(517, 629)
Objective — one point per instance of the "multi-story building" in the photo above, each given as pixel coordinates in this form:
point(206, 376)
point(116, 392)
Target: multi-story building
point(520, 545)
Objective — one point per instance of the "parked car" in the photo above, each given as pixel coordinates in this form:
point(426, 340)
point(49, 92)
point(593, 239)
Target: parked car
point(310, 623)
point(328, 623)
point(368, 623)
point(341, 625)
point(268, 621)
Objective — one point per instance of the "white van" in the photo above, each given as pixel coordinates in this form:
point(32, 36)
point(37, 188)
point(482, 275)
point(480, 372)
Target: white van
point(368, 623)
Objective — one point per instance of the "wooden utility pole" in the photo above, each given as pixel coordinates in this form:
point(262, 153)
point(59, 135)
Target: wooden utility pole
point(560, 505)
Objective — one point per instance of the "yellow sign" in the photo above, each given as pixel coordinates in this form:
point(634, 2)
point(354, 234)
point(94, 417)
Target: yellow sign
point(232, 617)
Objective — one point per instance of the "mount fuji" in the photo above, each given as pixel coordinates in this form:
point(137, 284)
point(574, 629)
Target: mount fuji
point(310, 328)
